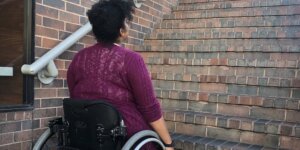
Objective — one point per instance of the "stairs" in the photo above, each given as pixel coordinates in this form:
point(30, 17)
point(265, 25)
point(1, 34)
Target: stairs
point(227, 73)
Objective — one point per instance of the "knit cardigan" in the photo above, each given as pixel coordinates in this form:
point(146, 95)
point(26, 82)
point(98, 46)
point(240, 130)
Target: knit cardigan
point(118, 75)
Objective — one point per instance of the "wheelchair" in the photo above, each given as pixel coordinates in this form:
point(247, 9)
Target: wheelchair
point(92, 125)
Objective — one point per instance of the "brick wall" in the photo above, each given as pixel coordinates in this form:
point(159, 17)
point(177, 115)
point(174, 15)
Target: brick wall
point(55, 20)
point(228, 70)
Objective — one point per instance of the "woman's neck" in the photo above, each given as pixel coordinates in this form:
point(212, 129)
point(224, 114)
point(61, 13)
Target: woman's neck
point(117, 44)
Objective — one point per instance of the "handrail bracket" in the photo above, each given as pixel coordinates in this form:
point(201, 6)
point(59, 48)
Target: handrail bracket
point(49, 73)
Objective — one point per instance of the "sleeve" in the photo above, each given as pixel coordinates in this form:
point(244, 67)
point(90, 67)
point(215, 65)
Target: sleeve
point(142, 87)
point(71, 79)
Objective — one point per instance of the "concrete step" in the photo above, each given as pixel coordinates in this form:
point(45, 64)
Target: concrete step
point(256, 125)
point(223, 88)
point(231, 22)
point(182, 98)
point(255, 76)
point(188, 142)
point(202, 1)
point(226, 33)
point(264, 133)
point(228, 59)
point(235, 12)
point(246, 110)
point(200, 5)
point(282, 46)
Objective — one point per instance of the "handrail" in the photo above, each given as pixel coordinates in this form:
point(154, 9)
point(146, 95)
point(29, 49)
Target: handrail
point(46, 59)
point(45, 67)
point(137, 4)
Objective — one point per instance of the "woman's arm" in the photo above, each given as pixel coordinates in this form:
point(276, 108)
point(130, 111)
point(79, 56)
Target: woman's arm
point(145, 99)
point(161, 129)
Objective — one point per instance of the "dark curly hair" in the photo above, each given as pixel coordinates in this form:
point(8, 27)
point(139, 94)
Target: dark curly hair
point(107, 18)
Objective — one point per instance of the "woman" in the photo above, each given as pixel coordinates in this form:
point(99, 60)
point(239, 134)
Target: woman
point(119, 75)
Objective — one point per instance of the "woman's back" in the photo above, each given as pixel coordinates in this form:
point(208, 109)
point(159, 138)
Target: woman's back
point(108, 71)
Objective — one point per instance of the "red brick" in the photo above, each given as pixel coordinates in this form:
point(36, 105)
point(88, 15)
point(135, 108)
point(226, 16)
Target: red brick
point(13, 146)
point(233, 99)
point(286, 129)
point(214, 61)
point(88, 40)
point(46, 32)
point(221, 79)
point(179, 117)
point(257, 101)
point(53, 23)
point(253, 138)
point(6, 138)
point(49, 43)
point(69, 17)
point(38, 41)
point(213, 87)
point(75, 9)
point(234, 123)
point(59, 4)
point(293, 116)
point(45, 93)
point(28, 115)
point(27, 145)
point(193, 96)
point(190, 129)
point(10, 116)
point(199, 119)
point(170, 126)
point(267, 113)
point(38, 20)
point(46, 11)
point(63, 93)
point(212, 78)
point(59, 111)
point(211, 120)
point(169, 115)
point(223, 61)
point(224, 134)
point(19, 116)
point(22, 136)
point(43, 113)
point(247, 124)
point(87, 3)
point(296, 82)
point(234, 110)
point(245, 100)
point(289, 142)
point(62, 74)
point(203, 97)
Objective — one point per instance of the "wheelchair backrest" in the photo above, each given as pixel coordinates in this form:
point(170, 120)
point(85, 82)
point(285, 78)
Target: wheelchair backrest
point(92, 124)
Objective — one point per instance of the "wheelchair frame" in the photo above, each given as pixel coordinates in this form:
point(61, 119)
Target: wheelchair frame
point(60, 127)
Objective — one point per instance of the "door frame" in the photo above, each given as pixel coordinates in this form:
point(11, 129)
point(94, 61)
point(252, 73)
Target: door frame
point(28, 80)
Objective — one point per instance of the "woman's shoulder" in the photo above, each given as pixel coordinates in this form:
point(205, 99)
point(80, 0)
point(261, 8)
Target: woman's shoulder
point(131, 54)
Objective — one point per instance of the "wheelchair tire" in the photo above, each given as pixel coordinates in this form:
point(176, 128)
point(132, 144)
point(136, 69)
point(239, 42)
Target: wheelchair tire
point(153, 139)
point(40, 143)
point(141, 138)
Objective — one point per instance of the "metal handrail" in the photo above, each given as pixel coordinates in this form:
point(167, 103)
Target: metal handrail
point(138, 4)
point(45, 67)
point(45, 60)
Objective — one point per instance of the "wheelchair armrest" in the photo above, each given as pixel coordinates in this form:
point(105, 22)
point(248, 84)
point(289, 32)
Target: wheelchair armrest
point(149, 135)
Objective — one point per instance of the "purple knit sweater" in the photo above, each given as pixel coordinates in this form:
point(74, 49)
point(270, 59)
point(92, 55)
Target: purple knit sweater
point(119, 75)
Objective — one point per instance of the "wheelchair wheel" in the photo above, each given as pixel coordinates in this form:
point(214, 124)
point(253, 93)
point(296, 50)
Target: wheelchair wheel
point(44, 141)
point(52, 138)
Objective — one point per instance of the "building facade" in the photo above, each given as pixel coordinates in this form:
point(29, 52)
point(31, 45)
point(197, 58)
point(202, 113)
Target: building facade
point(226, 72)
